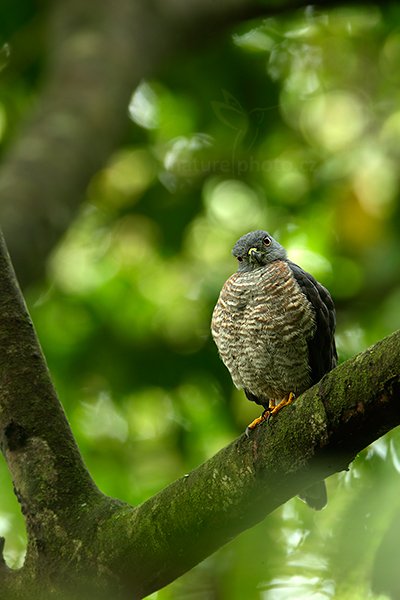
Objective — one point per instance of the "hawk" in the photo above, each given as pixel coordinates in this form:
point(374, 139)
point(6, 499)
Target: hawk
point(274, 325)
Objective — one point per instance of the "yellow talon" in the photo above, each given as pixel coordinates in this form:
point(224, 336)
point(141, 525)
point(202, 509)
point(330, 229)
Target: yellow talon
point(264, 417)
point(282, 403)
point(269, 412)
point(256, 422)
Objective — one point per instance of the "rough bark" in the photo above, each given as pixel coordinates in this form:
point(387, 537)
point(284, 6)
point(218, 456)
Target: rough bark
point(82, 542)
point(318, 435)
point(58, 498)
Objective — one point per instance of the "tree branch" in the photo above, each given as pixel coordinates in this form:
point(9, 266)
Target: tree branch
point(53, 487)
point(318, 435)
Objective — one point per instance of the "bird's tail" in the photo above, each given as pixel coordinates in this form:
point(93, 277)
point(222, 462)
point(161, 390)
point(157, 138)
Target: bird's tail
point(315, 495)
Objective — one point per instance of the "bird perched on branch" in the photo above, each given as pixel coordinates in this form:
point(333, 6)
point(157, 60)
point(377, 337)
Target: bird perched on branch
point(274, 328)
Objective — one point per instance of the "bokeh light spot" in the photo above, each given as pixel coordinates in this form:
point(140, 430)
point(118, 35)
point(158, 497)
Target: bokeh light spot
point(333, 120)
point(233, 204)
point(144, 107)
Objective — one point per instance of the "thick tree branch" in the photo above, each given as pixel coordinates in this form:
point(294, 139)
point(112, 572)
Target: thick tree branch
point(319, 435)
point(51, 483)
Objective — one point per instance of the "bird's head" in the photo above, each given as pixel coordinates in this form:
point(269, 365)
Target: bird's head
point(257, 249)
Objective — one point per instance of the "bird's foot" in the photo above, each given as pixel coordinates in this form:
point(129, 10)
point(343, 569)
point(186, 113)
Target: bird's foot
point(281, 404)
point(253, 424)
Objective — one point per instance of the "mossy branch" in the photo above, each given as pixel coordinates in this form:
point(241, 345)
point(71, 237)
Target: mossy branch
point(318, 435)
point(50, 480)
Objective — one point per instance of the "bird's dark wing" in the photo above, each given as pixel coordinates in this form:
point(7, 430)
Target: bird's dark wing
point(321, 347)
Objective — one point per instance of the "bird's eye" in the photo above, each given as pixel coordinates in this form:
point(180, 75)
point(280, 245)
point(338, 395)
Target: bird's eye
point(240, 258)
point(267, 241)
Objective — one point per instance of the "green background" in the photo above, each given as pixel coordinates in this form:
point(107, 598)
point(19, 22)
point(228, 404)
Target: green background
point(289, 124)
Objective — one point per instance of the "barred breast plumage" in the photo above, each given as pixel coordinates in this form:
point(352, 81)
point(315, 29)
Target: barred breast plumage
point(261, 324)
point(274, 328)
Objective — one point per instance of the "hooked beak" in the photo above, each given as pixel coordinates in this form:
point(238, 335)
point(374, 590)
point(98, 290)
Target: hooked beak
point(255, 255)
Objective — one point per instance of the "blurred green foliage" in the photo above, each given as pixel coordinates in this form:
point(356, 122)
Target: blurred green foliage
point(290, 124)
